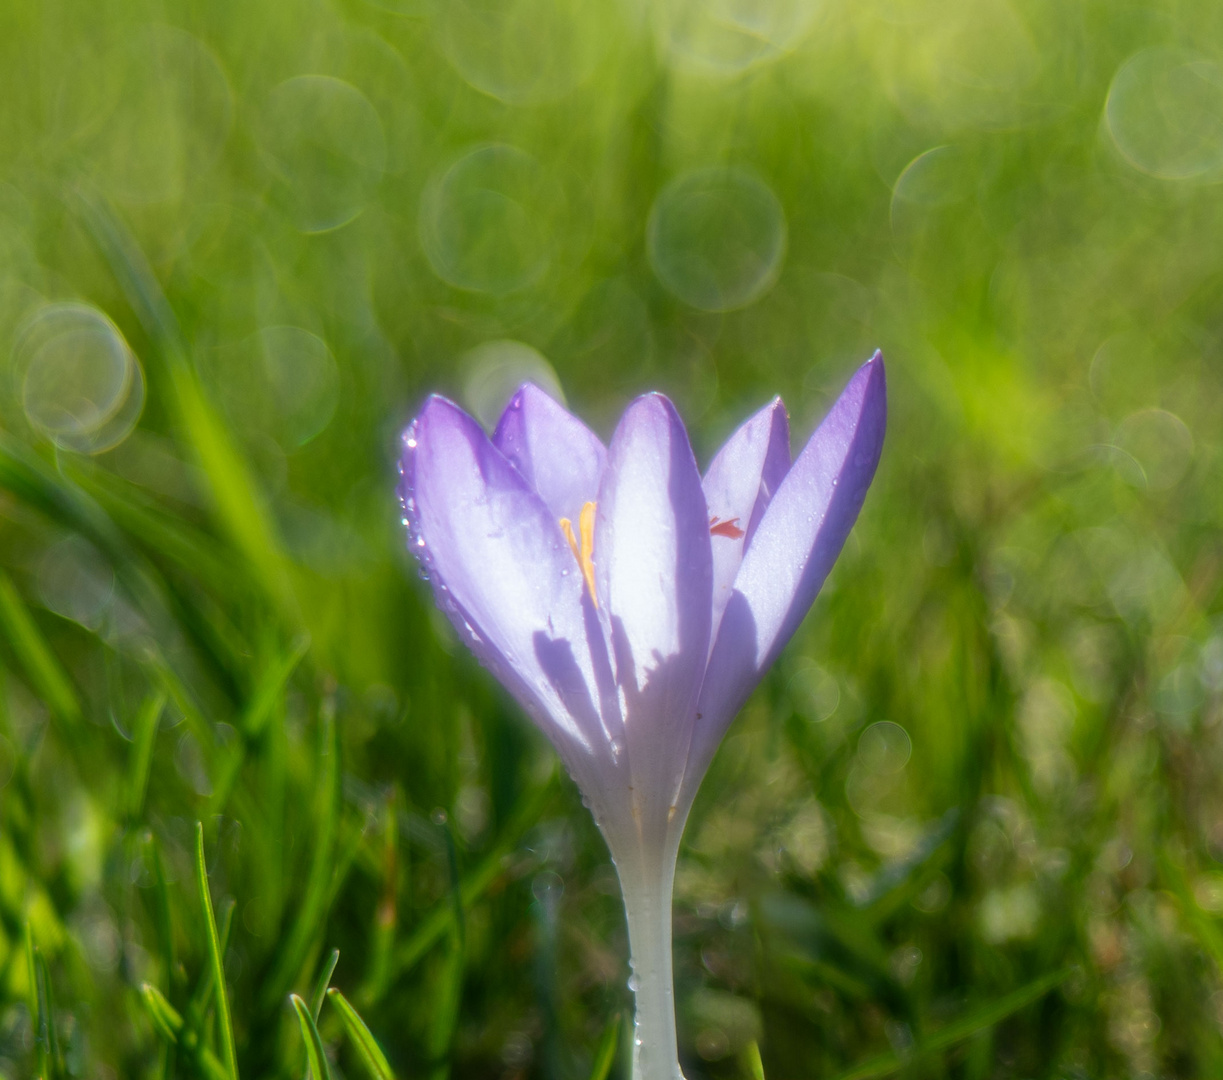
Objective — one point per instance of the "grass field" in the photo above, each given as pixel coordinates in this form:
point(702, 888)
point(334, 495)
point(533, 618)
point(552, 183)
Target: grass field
point(970, 826)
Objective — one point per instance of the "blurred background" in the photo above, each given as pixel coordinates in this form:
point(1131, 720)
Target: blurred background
point(970, 826)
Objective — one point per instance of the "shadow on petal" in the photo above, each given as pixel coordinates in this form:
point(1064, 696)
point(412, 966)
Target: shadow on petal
point(556, 660)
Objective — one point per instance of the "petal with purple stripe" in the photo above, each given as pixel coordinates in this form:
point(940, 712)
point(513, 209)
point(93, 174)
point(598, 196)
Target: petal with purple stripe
point(791, 553)
point(654, 570)
point(503, 573)
point(558, 455)
point(738, 486)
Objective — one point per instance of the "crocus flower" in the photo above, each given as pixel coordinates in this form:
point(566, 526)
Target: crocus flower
point(631, 605)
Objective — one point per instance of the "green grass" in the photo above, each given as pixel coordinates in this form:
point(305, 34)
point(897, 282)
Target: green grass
point(300, 218)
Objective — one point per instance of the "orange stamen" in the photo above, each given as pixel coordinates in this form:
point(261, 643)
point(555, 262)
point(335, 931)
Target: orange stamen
point(567, 529)
point(584, 550)
point(728, 528)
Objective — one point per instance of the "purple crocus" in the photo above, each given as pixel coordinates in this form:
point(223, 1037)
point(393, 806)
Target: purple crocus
point(631, 605)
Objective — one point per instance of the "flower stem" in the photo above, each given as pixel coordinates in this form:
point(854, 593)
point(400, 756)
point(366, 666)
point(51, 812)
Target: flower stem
point(647, 878)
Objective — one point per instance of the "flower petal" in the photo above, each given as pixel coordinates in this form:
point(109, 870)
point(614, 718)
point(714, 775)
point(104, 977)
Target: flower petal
point(738, 486)
point(654, 570)
point(503, 573)
point(558, 455)
point(794, 547)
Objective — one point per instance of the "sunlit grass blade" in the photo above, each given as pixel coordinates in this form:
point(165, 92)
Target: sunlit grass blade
point(166, 1018)
point(145, 732)
point(315, 1053)
point(44, 671)
point(956, 1032)
point(199, 1009)
point(605, 1053)
point(171, 1026)
point(751, 1058)
point(362, 1038)
point(215, 956)
point(240, 506)
point(324, 983)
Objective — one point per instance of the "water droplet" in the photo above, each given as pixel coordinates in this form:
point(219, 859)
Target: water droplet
point(420, 541)
point(411, 444)
point(634, 984)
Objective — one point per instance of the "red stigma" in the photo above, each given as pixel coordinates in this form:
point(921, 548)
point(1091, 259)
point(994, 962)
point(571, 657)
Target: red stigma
point(728, 528)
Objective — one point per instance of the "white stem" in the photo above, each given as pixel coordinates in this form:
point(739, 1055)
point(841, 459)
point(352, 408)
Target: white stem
point(647, 877)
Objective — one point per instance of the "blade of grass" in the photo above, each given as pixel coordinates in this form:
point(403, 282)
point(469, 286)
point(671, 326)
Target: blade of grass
point(171, 1026)
point(293, 953)
point(976, 1021)
point(605, 1053)
point(142, 753)
point(271, 688)
point(46, 1004)
point(203, 997)
point(433, 927)
point(362, 1038)
point(314, 1045)
point(751, 1058)
point(44, 671)
point(37, 1004)
point(447, 998)
point(28, 477)
point(1203, 926)
point(215, 956)
point(166, 1018)
point(240, 507)
point(162, 916)
point(386, 916)
point(153, 530)
point(324, 982)
point(456, 884)
point(258, 712)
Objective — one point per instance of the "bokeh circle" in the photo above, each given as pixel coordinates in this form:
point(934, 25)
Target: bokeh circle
point(1165, 113)
point(325, 141)
point(81, 385)
point(485, 222)
point(716, 238)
